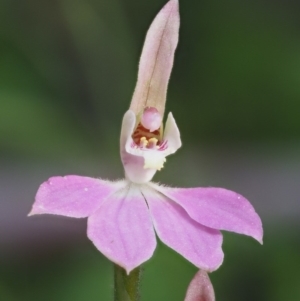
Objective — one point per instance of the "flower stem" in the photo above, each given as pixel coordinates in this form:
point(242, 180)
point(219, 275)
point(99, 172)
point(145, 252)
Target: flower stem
point(126, 286)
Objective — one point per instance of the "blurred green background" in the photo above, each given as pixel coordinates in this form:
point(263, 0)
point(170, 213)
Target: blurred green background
point(67, 72)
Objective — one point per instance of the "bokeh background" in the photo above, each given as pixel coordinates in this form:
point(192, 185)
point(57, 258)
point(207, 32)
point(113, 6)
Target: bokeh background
point(67, 73)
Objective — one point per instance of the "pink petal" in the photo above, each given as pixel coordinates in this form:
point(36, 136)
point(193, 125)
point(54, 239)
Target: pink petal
point(157, 60)
point(217, 208)
point(122, 229)
point(200, 288)
point(72, 196)
point(197, 243)
point(171, 135)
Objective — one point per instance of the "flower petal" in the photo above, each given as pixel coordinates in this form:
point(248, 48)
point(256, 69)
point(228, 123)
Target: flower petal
point(217, 208)
point(73, 196)
point(157, 60)
point(197, 243)
point(122, 229)
point(171, 136)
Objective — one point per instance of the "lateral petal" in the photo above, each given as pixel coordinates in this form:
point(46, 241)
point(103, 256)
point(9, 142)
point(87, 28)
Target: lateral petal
point(122, 230)
point(171, 136)
point(72, 196)
point(197, 243)
point(217, 208)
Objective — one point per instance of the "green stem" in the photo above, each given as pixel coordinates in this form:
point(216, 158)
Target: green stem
point(127, 286)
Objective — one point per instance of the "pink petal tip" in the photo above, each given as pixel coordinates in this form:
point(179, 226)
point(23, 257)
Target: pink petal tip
point(200, 288)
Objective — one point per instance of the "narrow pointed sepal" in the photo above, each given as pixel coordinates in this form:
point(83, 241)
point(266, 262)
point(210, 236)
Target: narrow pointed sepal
point(157, 60)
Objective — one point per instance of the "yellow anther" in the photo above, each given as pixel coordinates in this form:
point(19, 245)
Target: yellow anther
point(152, 142)
point(143, 142)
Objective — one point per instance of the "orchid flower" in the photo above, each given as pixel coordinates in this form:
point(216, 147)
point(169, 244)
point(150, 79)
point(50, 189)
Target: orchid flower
point(123, 216)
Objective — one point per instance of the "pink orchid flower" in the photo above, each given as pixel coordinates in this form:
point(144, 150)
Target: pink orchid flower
point(123, 216)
